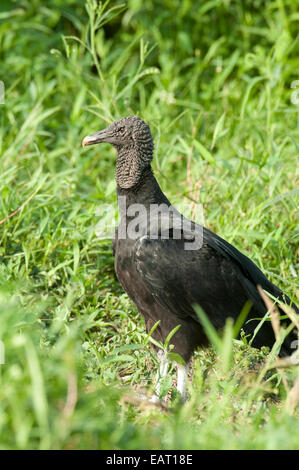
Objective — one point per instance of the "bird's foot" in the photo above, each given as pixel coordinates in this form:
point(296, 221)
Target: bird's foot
point(155, 399)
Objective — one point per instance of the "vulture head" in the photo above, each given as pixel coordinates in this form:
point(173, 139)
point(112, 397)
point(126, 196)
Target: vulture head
point(132, 138)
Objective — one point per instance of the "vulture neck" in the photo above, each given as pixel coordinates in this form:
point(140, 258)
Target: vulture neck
point(147, 191)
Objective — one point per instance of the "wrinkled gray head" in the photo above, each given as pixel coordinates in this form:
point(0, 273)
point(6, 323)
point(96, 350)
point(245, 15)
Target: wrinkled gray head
point(132, 138)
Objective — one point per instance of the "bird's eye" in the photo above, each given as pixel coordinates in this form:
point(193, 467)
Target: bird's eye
point(121, 130)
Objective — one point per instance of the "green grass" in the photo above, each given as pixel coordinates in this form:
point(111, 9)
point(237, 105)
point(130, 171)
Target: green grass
point(213, 80)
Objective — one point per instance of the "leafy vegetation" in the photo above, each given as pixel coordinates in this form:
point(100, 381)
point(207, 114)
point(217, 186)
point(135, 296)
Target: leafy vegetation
point(216, 82)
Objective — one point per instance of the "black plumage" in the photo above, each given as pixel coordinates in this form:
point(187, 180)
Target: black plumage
point(161, 276)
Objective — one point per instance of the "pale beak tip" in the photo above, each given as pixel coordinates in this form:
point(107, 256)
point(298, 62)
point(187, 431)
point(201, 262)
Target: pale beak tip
point(85, 142)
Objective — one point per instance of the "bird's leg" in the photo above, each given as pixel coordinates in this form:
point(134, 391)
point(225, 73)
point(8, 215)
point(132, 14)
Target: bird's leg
point(182, 380)
point(161, 372)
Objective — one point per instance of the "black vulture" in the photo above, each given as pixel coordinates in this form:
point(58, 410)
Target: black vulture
point(167, 264)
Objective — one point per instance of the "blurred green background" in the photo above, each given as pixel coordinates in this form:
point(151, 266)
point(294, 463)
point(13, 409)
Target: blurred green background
point(215, 80)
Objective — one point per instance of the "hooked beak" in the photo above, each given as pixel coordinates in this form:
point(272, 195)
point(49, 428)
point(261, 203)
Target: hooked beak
point(98, 137)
